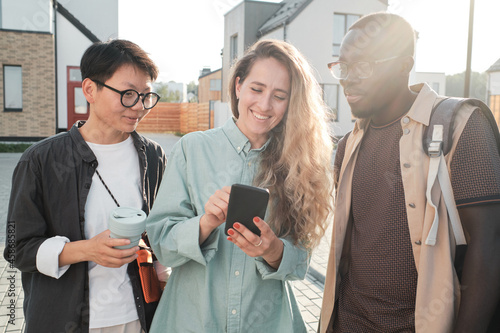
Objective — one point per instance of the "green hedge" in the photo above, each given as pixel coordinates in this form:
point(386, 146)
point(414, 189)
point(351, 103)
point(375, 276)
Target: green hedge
point(13, 147)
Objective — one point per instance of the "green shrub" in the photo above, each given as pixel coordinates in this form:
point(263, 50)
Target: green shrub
point(13, 147)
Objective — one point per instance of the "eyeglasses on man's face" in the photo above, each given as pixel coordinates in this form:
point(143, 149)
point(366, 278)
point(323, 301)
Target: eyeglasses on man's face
point(130, 97)
point(364, 69)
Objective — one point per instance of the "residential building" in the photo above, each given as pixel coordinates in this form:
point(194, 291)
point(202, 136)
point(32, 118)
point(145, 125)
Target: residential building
point(41, 44)
point(241, 26)
point(437, 81)
point(179, 90)
point(315, 27)
point(210, 87)
point(494, 89)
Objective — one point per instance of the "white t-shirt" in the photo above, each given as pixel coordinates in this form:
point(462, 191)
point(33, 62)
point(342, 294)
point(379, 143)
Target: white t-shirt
point(111, 298)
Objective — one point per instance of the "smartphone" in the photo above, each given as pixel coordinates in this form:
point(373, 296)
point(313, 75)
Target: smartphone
point(245, 203)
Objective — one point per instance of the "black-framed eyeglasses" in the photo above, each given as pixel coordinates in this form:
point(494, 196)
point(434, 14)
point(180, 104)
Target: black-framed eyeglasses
point(364, 69)
point(130, 97)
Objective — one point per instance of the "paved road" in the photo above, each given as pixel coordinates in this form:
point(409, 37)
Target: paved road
point(309, 292)
point(7, 164)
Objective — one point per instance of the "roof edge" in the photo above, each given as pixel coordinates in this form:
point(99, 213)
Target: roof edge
point(214, 71)
point(494, 68)
point(287, 20)
point(76, 23)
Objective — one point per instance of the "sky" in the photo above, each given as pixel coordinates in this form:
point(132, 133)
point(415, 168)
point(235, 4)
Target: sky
point(183, 36)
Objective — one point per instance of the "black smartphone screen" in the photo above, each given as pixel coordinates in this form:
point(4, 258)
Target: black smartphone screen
point(245, 203)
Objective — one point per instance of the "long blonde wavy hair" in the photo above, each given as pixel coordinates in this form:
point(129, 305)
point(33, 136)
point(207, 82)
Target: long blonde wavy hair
point(296, 166)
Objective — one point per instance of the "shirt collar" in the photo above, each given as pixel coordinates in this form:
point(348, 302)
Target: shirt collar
point(237, 139)
point(420, 110)
point(87, 153)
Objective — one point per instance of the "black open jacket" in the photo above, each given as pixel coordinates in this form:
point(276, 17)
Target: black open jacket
point(49, 189)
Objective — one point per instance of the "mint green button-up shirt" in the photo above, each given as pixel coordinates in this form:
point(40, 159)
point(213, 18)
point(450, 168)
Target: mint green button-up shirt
point(216, 287)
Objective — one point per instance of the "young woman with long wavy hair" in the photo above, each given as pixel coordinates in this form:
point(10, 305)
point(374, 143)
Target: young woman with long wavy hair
point(277, 139)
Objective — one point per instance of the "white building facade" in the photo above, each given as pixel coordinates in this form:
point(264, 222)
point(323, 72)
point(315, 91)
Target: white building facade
point(78, 24)
point(315, 27)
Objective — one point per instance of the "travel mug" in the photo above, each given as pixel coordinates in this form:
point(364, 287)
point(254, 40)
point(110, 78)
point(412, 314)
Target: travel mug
point(126, 222)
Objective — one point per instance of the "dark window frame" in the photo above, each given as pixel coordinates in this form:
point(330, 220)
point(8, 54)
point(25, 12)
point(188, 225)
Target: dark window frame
point(233, 48)
point(5, 108)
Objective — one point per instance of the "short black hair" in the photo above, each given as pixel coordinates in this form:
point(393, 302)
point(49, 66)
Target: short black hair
point(102, 59)
point(398, 33)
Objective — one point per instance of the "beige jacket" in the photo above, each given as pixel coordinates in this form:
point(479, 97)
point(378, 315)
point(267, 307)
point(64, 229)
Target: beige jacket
point(438, 290)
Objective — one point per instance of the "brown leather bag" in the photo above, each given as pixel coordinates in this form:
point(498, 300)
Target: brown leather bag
point(151, 286)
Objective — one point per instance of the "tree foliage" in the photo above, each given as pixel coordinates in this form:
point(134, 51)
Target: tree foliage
point(192, 90)
point(478, 83)
point(175, 96)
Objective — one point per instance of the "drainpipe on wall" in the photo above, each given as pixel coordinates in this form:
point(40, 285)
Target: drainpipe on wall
point(469, 50)
point(54, 4)
point(488, 87)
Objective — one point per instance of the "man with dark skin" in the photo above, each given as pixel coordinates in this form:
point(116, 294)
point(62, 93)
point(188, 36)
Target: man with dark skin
point(382, 276)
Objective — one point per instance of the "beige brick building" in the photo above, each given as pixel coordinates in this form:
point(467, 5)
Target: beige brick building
point(31, 54)
point(209, 86)
point(41, 45)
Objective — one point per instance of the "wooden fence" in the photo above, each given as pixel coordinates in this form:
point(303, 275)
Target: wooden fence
point(177, 117)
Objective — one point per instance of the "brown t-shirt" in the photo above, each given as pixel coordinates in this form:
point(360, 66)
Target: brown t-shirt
point(377, 294)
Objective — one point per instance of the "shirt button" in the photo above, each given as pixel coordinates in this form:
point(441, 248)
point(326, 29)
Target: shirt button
point(406, 120)
point(239, 148)
point(418, 242)
point(233, 312)
point(87, 186)
point(249, 164)
point(412, 205)
point(406, 131)
point(237, 273)
point(407, 165)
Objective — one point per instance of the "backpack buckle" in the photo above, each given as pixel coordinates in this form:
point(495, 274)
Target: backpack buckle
point(436, 145)
point(435, 148)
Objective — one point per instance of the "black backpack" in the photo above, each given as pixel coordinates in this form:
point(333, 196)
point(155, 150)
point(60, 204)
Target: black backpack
point(444, 114)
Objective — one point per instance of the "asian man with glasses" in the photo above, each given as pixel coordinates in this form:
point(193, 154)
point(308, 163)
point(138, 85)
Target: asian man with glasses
point(64, 189)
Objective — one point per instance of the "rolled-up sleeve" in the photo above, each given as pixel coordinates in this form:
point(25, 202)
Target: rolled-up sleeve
point(173, 225)
point(293, 265)
point(47, 257)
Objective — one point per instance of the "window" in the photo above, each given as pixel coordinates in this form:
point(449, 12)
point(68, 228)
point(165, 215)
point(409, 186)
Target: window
point(215, 85)
point(341, 22)
point(233, 48)
point(26, 15)
point(211, 105)
point(80, 106)
point(495, 107)
point(435, 86)
point(331, 98)
point(75, 74)
point(13, 88)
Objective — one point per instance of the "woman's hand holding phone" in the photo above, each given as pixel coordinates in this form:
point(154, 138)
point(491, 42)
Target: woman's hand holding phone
point(267, 246)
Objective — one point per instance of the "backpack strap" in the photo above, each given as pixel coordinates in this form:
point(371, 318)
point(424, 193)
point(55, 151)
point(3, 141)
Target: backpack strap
point(444, 113)
point(437, 142)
